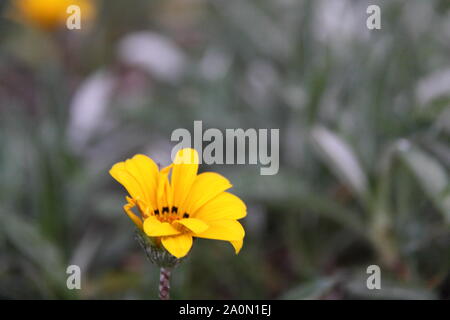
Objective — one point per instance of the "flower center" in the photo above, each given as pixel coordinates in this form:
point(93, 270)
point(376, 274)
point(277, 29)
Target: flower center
point(167, 215)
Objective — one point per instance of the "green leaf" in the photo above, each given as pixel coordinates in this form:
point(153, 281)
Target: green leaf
point(32, 245)
point(432, 177)
point(341, 159)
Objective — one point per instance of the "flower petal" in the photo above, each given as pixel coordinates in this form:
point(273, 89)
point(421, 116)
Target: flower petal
point(139, 176)
point(237, 245)
point(229, 230)
point(155, 228)
point(195, 225)
point(119, 173)
point(178, 245)
point(163, 191)
point(184, 171)
point(206, 186)
point(137, 221)
point(225, 206)
point(145, 171)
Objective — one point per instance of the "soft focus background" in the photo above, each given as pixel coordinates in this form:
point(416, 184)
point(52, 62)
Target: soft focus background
point(364, 123)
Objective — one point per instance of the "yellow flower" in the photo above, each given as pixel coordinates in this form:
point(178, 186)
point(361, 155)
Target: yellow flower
point(173, 211)
point(51, 14)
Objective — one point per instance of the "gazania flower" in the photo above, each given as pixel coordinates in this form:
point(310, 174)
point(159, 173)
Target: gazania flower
point(51, 14)
point(175, 204)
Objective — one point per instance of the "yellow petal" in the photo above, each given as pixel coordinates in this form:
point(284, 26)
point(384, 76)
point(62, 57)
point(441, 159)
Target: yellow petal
point(167, 169)
point(229, 230)
point(225, 206)
point(237, 245)
point(137, 221)
point(155, 228)
point(184, 171)
point(206, 186)
point(146, 172)
point(122, 176)
point(195, 225)
point(164, 194)
point(178, 245)
point(168, 191)
point(139, 176)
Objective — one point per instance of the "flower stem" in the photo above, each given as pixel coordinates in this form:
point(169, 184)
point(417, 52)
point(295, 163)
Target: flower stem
point(164, 283)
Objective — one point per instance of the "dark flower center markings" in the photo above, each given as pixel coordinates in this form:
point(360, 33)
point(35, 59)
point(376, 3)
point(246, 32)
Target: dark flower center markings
point(173, 210)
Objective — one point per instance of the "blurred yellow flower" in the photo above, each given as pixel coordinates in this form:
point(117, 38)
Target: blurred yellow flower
point(190, 205)
point(51, 14)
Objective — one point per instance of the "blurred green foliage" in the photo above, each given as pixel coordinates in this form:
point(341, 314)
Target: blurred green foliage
point(364, 123)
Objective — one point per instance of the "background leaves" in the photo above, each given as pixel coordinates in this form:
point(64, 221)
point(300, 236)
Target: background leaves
point(364, 145)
